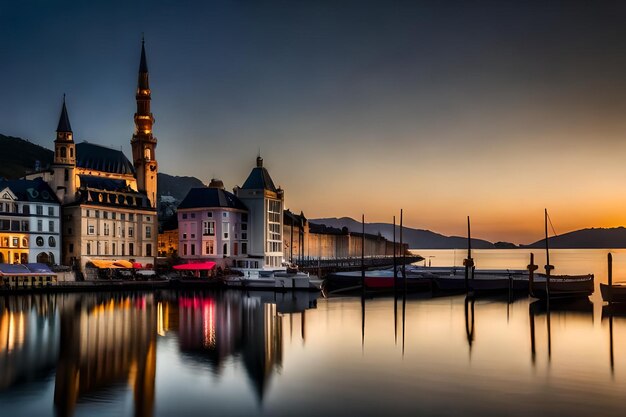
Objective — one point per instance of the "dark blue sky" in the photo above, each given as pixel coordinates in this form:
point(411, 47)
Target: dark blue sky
point(356, 105)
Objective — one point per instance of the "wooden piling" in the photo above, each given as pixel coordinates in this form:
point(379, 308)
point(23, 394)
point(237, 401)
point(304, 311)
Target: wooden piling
point(403, 254)
point(531, 274)
point(610, 262)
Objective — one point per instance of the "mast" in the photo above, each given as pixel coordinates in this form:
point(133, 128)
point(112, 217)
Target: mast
point(547, 248)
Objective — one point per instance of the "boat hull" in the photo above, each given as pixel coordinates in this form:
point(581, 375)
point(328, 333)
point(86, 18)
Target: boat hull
point(613, 293)
point(563, 286)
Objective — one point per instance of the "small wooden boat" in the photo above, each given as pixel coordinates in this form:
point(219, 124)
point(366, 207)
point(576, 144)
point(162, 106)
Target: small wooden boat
point(557, 286)
point(562, 286)
point(613, 293)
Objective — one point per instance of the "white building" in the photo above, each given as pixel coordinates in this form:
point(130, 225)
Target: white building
point(265, 205)
point(30, 227)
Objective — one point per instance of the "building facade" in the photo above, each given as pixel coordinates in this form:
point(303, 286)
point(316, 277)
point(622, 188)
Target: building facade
point(30, 226)
point(213, 225)
point(109, 203)
point(265, 203)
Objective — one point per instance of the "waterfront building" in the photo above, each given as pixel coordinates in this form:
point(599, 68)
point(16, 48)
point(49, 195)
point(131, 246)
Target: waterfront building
point(265, 203)
point(109, 203)
point(213, 225)
point(29, 222)
point(306, 240)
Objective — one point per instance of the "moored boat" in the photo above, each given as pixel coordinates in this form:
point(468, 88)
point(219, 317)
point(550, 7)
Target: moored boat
point(612, 293)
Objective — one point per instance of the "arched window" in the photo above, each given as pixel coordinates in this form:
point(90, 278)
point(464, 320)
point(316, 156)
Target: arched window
point(71, 152)
point(43, 258)
point(146, 154)
point(225, 249)
point(52, 242)
point(63, 152)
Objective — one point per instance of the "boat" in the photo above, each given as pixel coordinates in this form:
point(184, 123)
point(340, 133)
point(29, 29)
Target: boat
point(376, 280)
point(279, 280)
point(557, 286)
point(613, 293)
point(486, 280)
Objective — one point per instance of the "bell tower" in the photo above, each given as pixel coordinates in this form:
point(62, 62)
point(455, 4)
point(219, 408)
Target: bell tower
point(64, 164)
point(143, 142)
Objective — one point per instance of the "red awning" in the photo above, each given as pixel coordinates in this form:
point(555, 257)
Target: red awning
point(200, 266)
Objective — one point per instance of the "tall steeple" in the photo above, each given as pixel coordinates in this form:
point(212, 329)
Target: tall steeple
point(64, 158)
point(143, 142)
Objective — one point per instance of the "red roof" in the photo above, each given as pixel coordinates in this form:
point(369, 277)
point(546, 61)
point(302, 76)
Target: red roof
point(200, 266)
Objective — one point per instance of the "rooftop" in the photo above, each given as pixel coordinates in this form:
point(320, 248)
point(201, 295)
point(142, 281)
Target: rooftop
point(101, 158)
point(210, 198)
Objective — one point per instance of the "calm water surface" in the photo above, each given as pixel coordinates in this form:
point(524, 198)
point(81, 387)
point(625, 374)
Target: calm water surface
point(237, 354)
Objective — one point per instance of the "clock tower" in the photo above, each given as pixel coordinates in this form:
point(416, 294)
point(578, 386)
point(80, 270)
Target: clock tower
point(143, 142)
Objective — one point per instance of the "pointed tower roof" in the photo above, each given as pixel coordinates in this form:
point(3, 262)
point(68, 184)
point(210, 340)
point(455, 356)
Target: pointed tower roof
point(143, 63)
point(64, 120)
point(259, 178)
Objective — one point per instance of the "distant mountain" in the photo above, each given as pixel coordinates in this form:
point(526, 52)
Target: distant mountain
point(416, 238)
point(177, 187)
point(20, 156)
point(586, 239)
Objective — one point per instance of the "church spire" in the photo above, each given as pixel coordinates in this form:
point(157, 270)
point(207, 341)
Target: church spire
point(64, 120)
point(143, 142)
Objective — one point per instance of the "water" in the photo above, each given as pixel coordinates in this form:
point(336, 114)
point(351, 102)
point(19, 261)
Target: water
point(236, 354)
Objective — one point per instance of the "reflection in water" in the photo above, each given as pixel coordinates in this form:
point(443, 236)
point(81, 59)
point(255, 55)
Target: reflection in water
point(28, 346)
point(233, 354)
point(215, 327)
point(107, 340)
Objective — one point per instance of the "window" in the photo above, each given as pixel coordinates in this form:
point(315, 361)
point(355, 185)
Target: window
point(97, 214)
point(123, 249)
point(106, 229)
point(105, 214)
point(114, 246)
point(40, 225)
point(40, 210)
point(26, 209)
point(52, 242)
point(193, 249)
point(51, 226)
point(244, 226)
point(185, 249)
point(88, 248)
point(39, 241)
point(208, 228)
point(193, 235)
point(235, 249)
point(149, 249)
point(91, 229)
point(184, 235)
point(225, 227)
point(244, 217)
point(24, 242)
point(114, 215)
point(149, 232)
point(71, 152)
point(209, 214)
point(147, 218)
point(131, 249)
point(244, 248)
point(71, 248)
point(122, 216)
point(193, 215)
point(63, 152)
point(131, 217)
point(106, 248)
point(50, 211)
point(25, 226)
point(225, 214)
point(69, 230)
point(131, 232)
point(184, 216)
point(209, 247)
point(244, 236)
point(225, 249)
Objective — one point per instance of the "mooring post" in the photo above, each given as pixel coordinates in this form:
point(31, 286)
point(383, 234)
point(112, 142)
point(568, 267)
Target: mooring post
point(469, 262)
point(403, 254)
point(531, 274)
point(610, 262)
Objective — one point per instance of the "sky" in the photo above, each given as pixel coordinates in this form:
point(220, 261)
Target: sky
point(489, 109)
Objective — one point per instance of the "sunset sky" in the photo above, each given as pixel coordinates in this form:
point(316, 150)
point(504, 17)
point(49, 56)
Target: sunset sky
point(494, 110)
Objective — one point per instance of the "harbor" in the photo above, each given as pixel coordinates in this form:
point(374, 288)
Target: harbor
point(198, 345)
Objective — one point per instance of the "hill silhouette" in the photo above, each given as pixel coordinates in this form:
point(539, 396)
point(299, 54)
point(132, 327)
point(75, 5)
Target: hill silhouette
point(592, 238)
point(416, 238)
point(20, 156)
